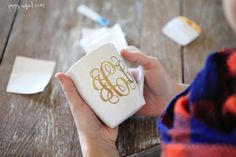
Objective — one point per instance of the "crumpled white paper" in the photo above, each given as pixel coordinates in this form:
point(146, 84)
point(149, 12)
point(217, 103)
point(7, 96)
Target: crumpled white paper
point(29, 75)
point(94, 38)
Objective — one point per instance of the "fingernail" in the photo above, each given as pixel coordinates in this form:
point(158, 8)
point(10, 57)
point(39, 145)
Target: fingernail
point(123, 51)
point(57, 76)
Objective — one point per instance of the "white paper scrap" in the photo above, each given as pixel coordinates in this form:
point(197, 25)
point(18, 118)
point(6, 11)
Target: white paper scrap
point(182, 30)
point(29, 75)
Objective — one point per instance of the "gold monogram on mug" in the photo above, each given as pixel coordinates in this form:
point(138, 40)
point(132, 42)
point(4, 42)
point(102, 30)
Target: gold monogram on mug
point(112, 80)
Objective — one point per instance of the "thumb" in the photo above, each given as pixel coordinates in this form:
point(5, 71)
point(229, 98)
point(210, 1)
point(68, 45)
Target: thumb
point(70, 91)
point(139, 58)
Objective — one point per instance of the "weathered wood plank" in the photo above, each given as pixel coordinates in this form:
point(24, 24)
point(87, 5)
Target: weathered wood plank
point(41, 124)
point(137, 134)
point(154, 151)
point(129, 15)
point(154, 43)
point(216, 34)
point(7, 14)
point(156, 14)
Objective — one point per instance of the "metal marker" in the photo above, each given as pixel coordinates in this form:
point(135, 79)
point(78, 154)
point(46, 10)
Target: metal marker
point(83, 9)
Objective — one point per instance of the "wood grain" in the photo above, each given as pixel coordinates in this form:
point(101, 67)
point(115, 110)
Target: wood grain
point(129, 15)
point(216, 34)
point(137, 134)
point(41, 124)
point(7, 14)
point(154, 151)
point(156, 14)
point(151, 42)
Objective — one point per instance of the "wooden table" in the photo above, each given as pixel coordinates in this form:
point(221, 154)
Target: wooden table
point(41, 124)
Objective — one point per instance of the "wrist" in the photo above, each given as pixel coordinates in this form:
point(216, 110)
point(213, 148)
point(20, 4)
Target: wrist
point(96, 146)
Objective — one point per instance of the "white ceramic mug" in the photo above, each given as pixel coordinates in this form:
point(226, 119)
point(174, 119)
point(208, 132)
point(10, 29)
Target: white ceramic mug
point(105, 83)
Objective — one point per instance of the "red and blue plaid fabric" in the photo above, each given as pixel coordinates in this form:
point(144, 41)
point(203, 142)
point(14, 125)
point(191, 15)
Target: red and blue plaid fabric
point(201, 121)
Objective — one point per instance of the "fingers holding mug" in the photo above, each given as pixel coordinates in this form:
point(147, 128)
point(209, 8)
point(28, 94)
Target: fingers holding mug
point(70, 91)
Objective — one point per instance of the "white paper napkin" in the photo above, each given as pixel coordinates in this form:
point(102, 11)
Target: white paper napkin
point(91, 40)
point(29, 75)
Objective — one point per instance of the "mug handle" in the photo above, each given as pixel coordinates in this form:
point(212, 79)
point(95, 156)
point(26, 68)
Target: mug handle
point(138, 73)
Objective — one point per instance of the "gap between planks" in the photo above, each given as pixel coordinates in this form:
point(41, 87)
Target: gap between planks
point(181, 12)
point(8, 36)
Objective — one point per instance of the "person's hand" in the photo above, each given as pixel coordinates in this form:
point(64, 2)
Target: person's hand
point(159, 89)
point(96, 139)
